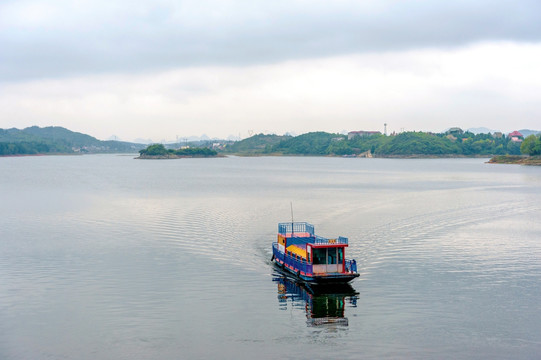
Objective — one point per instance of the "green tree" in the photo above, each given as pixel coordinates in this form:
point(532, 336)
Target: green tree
point(256, 144)
point(513, 148)
point(154, 149)
point(315, 143)
point(537, 147)
point(531, 145)
point(339, 147)
point(418, 143)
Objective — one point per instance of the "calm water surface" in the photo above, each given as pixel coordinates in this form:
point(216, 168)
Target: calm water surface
point(107, 257)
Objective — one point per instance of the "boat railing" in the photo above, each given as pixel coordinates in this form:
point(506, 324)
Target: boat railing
point(324, 241)
point(298, 262)
point(287, 229)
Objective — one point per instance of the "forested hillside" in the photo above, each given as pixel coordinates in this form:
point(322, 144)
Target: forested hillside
point(257, 144)
point(57, 140)
point(401, 145)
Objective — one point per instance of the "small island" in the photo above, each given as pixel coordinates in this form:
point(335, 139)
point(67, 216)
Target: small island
point(158, 151)
point(516, 159)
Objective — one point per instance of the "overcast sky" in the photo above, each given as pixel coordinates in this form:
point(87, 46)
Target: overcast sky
point(161, 69)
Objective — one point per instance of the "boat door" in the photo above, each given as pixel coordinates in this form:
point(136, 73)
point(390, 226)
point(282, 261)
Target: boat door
point(327, 260)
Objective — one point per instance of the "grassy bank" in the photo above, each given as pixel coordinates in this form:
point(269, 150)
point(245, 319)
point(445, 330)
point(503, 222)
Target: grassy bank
point(516, 159)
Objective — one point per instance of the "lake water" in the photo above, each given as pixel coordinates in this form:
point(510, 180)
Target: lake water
point(107, 257)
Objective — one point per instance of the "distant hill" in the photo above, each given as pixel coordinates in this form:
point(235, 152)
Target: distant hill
point(482, 130)
point(143, 141)
point(257, 144)
point(528, 132)
point(406, 144)
point(55, 139)
point(314, 143)
point(55, 133)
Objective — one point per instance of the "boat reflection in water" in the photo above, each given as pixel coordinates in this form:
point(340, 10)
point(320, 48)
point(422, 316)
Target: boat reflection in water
point(324, 306)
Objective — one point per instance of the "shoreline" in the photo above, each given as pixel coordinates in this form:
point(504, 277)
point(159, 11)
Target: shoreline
point(516, 160)
point(173, 156)
point(496, 159)
point(41, 154)
point(412, 156)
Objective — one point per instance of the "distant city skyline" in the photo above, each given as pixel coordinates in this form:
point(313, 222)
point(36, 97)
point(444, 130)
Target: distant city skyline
point(183, 68)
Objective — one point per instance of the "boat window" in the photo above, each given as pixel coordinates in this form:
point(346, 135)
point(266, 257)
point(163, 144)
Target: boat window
point(340, 255)
point(332, 256)
point(319, 256)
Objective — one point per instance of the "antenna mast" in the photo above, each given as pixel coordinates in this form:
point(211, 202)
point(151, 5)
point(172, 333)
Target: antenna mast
point(292, 231)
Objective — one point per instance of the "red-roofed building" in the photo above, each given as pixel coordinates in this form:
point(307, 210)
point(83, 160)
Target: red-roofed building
point(516, 136)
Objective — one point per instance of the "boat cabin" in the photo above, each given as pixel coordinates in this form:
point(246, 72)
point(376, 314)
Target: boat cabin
point(311, 253)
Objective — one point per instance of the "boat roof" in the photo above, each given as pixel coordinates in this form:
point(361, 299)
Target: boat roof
point(298, 249)
point(303, 232)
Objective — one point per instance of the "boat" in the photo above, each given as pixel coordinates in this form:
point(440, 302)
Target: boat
point(313, 259)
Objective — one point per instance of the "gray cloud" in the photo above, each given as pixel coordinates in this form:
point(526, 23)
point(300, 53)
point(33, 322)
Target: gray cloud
point(58, 38)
